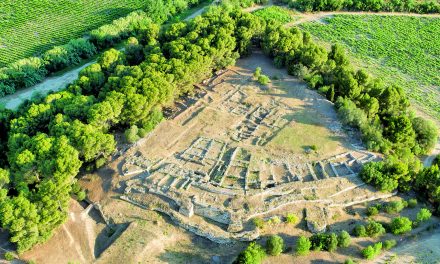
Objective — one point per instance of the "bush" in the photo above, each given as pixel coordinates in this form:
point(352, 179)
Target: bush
point(275, 245)
point(360, 231)
point(100, 162)
point(81, 195)
point(344, 239)
point(332, 242)
point(253, 254)
point(388, 244)
point(291, 218)
point(394, 207)
point(423, 215)
point(400, 225)
point(349, 261)
point(257, 73)
point(259, 223)
point(263, 80)
point(371, 252)
point(303, 246)
point(372, 211)
point(131, 134)
point(374, 229)
point(9, 256)
point(412, 203)
point(274, 220)
point(327, 242)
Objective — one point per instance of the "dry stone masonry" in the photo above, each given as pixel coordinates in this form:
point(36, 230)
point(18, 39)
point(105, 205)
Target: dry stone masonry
point(215, 183)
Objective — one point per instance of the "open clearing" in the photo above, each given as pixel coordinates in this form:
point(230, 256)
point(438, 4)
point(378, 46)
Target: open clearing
point(235, 150)
point(400, 49)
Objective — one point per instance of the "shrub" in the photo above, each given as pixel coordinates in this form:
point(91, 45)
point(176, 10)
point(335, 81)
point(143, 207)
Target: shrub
point(374, 229)
point(400, 225)
point(360, 231)
point(9, 256)
point(371, 252)
point(257, 73)
point(275, 245)
point(423, 215)
point(263, 80)
point(412, 203)
point(327, 242)
point(388, 244)
point(344, 239)
point(291, 218)
point(274, 220)
point(81, 195)
point(332, 242)
point(394, 207)
point(372, 211)
point(131, 134)
point(253, 254)
point(259, 223)
point(349, 261)
point(303, 246)
point(100, 162)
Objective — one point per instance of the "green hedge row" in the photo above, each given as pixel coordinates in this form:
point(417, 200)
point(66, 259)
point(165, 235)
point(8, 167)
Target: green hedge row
point(30, 71)
point(421, 7)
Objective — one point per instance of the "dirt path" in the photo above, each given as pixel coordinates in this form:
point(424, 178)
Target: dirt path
point(308, 17)
point(49, 84)
point(430, 159)
point(54, 84)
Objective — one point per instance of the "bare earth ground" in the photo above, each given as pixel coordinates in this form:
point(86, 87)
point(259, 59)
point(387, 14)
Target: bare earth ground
point(73, 241)
point(153, 238)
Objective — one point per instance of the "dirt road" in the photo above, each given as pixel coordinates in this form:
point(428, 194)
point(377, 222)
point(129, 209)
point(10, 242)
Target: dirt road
point(53, 84)
point(308, 17)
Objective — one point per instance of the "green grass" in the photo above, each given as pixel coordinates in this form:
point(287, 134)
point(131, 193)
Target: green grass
point(402, 50)
point(280, 14)
point(29, 27)
point(307, 130)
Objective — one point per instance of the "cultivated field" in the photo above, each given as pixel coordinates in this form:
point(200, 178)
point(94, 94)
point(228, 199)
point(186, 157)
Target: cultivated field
point(262, 133)
point(31, 27)
point(398, 49)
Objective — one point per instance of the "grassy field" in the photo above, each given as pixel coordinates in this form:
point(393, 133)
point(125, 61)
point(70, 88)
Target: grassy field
point(277, 13)
point(399, 49)
point(29, 27)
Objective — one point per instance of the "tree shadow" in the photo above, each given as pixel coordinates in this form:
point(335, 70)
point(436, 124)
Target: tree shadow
point(108, 236)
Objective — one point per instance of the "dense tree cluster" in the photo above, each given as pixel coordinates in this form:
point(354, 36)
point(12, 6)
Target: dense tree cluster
point(48, 140)
point(422, 7)
point(30, 71)
point(380, 111)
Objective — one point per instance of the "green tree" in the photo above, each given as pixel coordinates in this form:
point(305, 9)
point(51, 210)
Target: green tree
point(388, 244)
point(344, 239)
point(423, 215)
point(253, 254)
point(275, 245)
point(371, 252)
point(400, 225)
point(291, 218)
point(303, 246)
point(360, 231)
point(426, 134)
